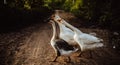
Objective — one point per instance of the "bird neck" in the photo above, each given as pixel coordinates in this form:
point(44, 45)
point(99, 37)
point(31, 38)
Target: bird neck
point(54, 32)
point(72, 27)
point(61, 27)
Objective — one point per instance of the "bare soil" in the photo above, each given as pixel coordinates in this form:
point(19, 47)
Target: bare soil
point(30, 46)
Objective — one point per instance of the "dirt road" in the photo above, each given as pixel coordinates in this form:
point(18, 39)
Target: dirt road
point(36, 50)
point(30, 46)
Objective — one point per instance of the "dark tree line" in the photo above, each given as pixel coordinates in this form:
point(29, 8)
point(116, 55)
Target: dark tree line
point(98, 12)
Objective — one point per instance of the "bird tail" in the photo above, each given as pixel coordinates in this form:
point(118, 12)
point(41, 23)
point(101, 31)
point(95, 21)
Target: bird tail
point(100, 45)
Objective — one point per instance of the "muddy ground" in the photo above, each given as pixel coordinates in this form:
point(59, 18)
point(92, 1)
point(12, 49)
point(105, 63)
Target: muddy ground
point(30, 46)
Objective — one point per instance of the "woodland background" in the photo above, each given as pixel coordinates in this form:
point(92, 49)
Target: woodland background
point(103, 13)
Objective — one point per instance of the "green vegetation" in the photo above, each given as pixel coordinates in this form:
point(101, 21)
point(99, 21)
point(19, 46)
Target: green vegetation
point(100, 12)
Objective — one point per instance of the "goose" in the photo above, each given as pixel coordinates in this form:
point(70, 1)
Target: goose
point(60, 46)
point(86, 41)
point(65, 33)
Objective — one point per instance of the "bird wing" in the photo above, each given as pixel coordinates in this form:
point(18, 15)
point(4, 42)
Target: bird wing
point(88, 39)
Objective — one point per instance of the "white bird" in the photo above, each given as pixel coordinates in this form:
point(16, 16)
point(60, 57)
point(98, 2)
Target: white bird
point(65, 33)
point(85, 41)
point(60, 46)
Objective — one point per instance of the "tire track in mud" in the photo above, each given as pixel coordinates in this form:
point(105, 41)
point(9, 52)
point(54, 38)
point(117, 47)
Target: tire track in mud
point(34, 49)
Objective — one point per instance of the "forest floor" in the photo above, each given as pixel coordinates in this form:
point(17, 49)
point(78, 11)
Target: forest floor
point(30, 46)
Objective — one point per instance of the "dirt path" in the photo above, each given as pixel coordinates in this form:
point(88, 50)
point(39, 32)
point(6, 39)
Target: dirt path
point(30, 46)
point(36, 50)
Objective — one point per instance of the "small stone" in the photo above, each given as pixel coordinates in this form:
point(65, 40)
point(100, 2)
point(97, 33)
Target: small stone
point(114, 47)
